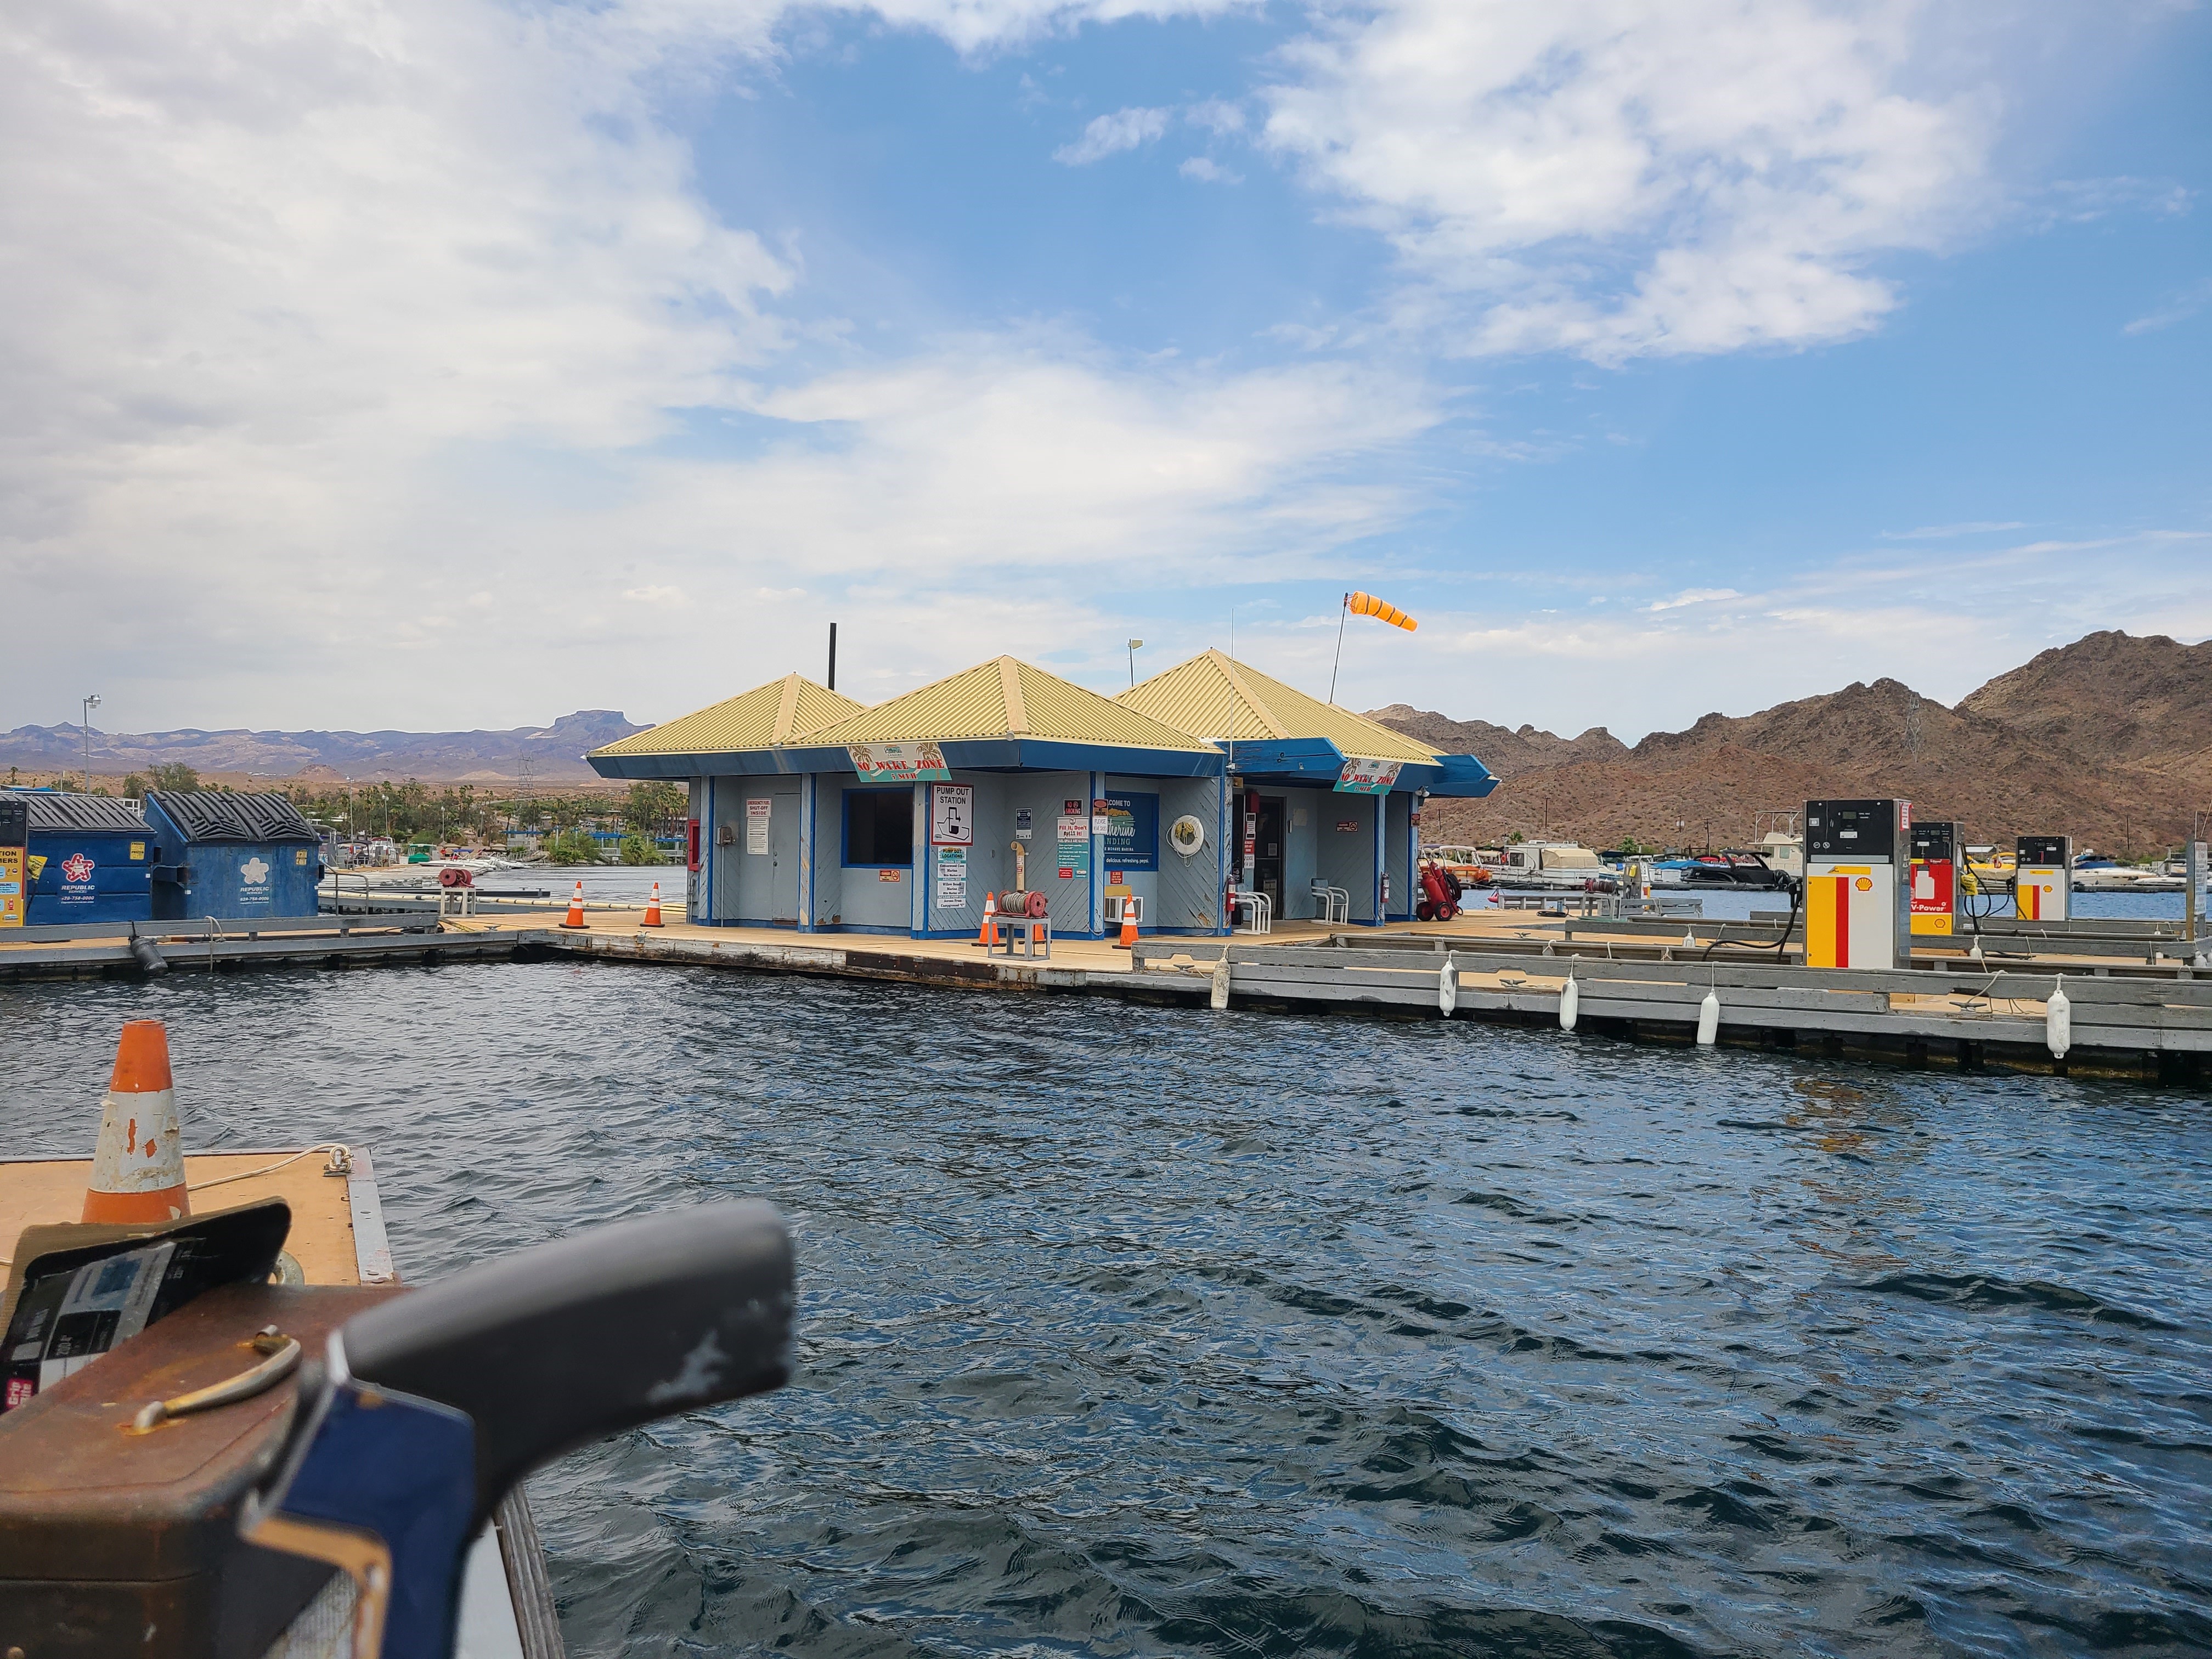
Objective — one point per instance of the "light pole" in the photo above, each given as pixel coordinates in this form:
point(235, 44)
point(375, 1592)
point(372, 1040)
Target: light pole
point(1135, 646)
point(90, 704)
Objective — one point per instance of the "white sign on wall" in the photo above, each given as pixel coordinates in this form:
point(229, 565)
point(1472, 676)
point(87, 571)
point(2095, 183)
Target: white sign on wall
point(757, 811)
point(951, 814)
point(951, 877)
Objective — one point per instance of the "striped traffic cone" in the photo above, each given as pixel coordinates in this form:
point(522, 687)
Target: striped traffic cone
point(1128, 940)
point(138, 1169)
point(653, 908)
point(987, 935)
point(576, 908)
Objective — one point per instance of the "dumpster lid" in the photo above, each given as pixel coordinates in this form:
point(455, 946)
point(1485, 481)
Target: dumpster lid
point(222, 815)
point(51, 809)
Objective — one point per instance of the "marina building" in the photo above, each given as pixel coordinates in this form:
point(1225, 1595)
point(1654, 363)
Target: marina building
point(810, 810)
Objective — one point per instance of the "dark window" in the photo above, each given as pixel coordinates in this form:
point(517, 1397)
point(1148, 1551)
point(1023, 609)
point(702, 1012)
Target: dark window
point(880, 827)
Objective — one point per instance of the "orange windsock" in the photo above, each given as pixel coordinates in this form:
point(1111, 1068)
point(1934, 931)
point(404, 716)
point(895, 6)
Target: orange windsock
point(138, 1167)
point(1366, 604)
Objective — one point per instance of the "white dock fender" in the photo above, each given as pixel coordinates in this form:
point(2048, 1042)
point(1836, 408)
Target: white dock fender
point(1447, 986)
point(2058, 1020)
point(1220, 998)
point(1709, 1019)
point(1571, 1002)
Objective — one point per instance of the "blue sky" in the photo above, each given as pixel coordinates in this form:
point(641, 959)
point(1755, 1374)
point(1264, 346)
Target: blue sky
point(461, 364)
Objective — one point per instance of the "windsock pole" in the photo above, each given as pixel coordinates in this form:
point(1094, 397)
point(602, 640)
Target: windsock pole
point(138, 1167)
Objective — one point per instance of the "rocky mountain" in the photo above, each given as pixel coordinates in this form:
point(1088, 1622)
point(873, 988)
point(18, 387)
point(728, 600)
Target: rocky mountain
point(2108, 739)
point(2109, 694)
point(1514, 752)
point(556, 751)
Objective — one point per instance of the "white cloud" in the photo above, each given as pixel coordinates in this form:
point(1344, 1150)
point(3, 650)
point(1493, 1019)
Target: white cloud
point(2177, 308)
point(1217, 115)
point(1108, 135)
point(1209, 172)
point(976, 25)
point(313, 326)
point(1614, 178)
point(1693, 596)
point(1639, 670)
point(997, 456)
point(1933, 532)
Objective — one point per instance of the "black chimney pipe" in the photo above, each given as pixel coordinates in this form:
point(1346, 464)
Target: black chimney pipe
point(833, 656)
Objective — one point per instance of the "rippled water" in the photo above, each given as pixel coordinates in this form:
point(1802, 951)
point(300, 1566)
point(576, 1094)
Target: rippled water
point(1136, 1331)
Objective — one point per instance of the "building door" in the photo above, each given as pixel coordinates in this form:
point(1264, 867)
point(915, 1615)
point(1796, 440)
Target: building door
point(783, 856)
point(767, 854)
point(1267, 857)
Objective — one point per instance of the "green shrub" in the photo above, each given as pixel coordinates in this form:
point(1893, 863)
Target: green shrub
point(571, 847)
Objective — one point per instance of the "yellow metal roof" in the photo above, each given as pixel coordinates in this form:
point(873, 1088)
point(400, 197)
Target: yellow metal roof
point(762, 718)
point(1006, 698)
point(1212, 695)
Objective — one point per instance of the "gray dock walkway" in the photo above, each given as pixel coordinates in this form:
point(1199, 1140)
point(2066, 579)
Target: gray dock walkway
point(2143, 1014)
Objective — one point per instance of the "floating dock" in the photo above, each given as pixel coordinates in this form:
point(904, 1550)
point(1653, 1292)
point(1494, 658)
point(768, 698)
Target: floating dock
point(2141, 1005)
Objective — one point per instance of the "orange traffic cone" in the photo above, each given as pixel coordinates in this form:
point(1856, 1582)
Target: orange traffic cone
point(652, 909)
point(576, 909)
point(1128, 939)
point(987, 935)
point(138, 1169)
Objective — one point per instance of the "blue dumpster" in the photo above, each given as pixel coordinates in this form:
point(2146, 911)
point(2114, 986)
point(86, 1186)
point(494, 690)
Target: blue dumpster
point(90, 859)
point(225, 854)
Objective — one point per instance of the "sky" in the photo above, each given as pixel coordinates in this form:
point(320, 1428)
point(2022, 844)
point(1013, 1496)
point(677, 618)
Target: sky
point(448, 363)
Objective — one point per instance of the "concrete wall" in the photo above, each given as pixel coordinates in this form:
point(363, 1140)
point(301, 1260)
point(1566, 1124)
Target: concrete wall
point(1182, 895)
point(1345, 857)
point(1044, 794)
point(1302, 810)
point(757, 887)
point(1397, 854)
point(1145, 884)
point(694, 907)
point(855, 897)
point(1190, 889)
point(990, 864)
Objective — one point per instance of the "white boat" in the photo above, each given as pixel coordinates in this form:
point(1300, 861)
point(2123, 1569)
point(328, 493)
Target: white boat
point(1782, 853)
point(1554, 867)
point(2094, 873)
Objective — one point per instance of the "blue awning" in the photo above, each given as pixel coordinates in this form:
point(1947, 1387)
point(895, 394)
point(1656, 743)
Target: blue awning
point(1316, 763)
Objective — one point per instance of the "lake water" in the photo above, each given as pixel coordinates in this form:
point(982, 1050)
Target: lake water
point(1132, 1331)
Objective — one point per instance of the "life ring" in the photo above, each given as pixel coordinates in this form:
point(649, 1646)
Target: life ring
point(1186, 835)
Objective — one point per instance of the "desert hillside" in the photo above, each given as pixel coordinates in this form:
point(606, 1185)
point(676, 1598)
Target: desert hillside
point(2108, 739)
point(554, 752)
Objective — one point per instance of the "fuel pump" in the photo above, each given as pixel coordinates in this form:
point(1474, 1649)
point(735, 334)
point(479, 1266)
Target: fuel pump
point(1936, 887)
point(1857, 891)
point(2043, 877)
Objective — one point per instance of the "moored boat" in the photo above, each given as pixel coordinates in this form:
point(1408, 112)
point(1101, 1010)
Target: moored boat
point(1554, 867)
